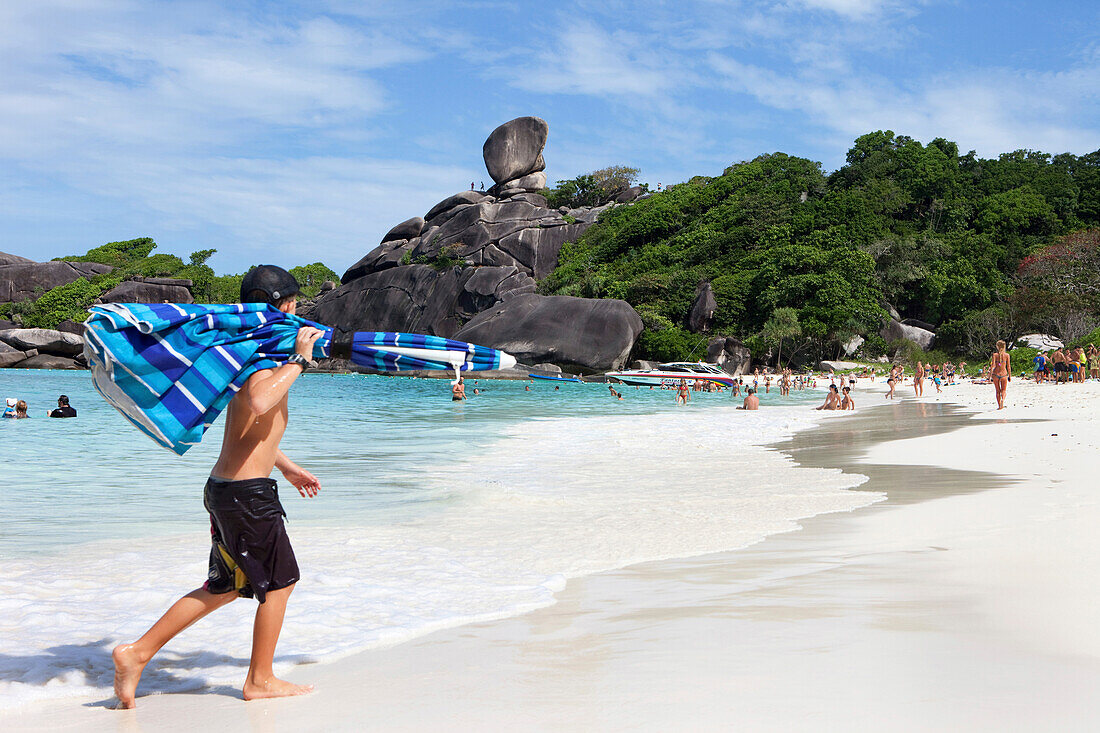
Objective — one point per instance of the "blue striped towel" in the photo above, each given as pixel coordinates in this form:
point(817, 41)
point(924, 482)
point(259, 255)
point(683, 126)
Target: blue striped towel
point(171, 369)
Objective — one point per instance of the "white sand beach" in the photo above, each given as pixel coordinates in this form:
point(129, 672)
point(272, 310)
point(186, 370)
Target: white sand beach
point(967, 601)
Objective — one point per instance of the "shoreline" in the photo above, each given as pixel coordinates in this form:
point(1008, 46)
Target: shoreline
point(817, 621)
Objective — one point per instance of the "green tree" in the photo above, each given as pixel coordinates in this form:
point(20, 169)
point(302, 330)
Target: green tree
point(592, 189)
point(782, 324)
point(310, 277)
point(614, 179)
point(68, 302)
point(117, 254)
point(573, 193)
point(199, 258)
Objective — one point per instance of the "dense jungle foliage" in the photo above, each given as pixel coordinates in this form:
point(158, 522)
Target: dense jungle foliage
point(982, 249)
point(135, 257)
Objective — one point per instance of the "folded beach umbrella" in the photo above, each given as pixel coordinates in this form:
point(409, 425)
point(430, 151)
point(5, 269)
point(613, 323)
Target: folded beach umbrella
point(171, 369)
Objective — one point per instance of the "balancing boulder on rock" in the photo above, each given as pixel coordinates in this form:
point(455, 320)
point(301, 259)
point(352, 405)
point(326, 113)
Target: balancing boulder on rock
point(515, 148)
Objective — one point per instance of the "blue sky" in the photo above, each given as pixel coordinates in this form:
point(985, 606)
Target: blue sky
point(295, 132)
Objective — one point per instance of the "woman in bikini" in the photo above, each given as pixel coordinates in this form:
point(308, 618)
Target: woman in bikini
point(683, 393)
point(1000, 373)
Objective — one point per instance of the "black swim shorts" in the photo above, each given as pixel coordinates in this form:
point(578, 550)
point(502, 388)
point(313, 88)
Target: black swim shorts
point(250, 551)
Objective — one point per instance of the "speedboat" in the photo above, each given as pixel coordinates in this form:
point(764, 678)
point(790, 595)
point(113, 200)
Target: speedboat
point(671, 373)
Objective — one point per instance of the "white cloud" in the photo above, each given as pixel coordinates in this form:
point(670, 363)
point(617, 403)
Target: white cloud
point(989, 110)
point(586, 59)
point(847, 8)
point(202, 120)
point(199, 84)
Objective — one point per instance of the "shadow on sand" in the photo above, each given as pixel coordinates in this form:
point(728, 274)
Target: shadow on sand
point(93, 666)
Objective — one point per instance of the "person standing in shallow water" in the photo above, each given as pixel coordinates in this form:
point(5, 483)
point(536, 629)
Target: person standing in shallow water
point(1000, 373)
point(251, 553)
point(683, 394)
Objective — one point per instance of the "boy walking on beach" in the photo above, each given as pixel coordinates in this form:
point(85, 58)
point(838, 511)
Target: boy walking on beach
point(251, 553)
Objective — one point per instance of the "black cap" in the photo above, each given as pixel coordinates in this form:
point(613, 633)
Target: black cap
point(267, 284)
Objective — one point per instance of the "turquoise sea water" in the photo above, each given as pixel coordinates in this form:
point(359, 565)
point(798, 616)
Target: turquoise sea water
point(369, 439)
point(432, 514)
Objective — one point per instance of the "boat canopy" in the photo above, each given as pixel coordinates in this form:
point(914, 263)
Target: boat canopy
point(689, 367)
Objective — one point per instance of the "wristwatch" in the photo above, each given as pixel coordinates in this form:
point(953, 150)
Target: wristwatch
point(300, 360)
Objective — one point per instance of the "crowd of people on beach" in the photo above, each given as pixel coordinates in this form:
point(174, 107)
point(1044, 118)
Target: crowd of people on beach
point(1062, 365)
point(16, 409)
point(1058, 366)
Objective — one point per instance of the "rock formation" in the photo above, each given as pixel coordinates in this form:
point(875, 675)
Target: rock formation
point(48, 361)
point(631, 194)
point(27, 280)
point(9, 259)
point(40, 348)
point(838, 366)
point(730, 354)
point(514, 149)
point(150, 290)
point(9, 355)
point(919, 324)
point(475, 252)
point(44, 340)
point(579, 333)
point(1042, 341)
point(405, 230)
point(702, 308)
point(418, 298)
point(895, 330)
point(852, 345)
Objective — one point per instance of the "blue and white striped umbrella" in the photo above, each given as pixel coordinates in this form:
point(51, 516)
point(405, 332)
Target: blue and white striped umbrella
point(171, 369)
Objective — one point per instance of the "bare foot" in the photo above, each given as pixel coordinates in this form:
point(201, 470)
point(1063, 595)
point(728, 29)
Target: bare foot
point(128, 668)
point(274, 687)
